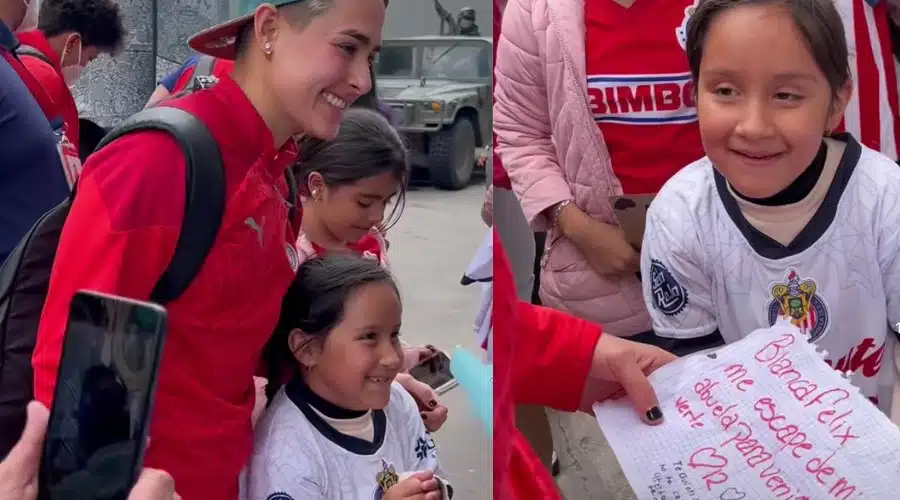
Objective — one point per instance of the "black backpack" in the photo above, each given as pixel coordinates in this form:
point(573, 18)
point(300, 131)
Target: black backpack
point(25, 276)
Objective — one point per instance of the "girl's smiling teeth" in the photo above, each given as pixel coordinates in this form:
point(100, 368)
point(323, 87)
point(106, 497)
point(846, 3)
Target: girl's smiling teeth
point(757, 157)
point(334, 100)
point(379, 380)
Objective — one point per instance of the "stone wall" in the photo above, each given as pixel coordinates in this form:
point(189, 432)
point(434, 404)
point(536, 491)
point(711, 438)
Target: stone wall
point(112, 89)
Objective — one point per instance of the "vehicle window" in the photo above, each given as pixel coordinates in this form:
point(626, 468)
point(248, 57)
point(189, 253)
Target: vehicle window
point(461, 61)
point(397, 61)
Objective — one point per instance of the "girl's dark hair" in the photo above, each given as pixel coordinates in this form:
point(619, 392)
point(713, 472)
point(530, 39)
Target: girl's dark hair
point(818, 21)
point(315, 303)
point(366, 145)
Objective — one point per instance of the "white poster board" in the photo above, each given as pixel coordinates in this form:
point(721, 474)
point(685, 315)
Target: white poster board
point(763, 418)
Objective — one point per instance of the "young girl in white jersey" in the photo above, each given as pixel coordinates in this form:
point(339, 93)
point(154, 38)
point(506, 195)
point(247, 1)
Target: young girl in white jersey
point(348, 184)
point(780, 219)
point(341, 429)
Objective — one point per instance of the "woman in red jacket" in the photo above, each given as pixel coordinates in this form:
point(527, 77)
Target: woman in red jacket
point(548, 358)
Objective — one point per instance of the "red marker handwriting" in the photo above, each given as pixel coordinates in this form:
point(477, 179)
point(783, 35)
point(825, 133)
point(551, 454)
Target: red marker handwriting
point(708, 460)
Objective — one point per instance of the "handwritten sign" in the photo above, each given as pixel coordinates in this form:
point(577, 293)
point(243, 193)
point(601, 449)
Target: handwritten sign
point(762, 418)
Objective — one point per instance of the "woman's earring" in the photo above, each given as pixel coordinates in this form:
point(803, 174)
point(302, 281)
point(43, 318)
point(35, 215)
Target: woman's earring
point(268, 48)
point(315, 195)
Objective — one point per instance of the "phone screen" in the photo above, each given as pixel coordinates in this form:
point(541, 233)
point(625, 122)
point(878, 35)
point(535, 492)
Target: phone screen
point(435, 372)
point(104, 392)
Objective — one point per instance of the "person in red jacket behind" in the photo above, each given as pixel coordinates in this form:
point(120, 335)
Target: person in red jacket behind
point(70, 34)
point(546, 357)
point(298, 64)
point(178, 80)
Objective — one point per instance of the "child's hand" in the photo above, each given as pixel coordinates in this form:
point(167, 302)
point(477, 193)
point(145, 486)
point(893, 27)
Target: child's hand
point(259, 403)
point(487, 207)
point(415, 355)
point(419, 486)
point(433, 413)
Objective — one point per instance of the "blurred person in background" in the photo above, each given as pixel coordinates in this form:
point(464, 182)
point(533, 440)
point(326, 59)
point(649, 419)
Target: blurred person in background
point(32, 180)
point(70, 34)
point(512, 227)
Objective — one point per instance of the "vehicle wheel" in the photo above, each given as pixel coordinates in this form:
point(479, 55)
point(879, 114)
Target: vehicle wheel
point(451, 155)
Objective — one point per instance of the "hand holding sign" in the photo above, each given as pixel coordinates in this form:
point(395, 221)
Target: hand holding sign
point(764, 417)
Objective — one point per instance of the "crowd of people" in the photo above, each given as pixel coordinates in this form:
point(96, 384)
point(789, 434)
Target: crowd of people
point(765, 133)
point(315, 175)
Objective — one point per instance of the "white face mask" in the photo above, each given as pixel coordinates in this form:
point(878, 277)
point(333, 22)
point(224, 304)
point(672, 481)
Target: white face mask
point(72, 72)
point(30, 21)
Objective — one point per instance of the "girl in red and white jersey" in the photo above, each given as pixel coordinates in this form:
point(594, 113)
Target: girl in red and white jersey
point(347, 184)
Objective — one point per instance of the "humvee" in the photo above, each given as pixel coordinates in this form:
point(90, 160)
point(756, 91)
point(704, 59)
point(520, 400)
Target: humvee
point(439, 89)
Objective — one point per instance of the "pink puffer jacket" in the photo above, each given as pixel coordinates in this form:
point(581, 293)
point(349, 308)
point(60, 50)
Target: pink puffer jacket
point(553, 151)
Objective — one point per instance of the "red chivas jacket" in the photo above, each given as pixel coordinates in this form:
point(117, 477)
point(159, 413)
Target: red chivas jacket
point(542, 357)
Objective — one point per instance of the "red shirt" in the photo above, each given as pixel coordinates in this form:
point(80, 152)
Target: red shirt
point(371, 246)
point(541, 357)
point(119, 237)
point(50, 76)
point(640, 90)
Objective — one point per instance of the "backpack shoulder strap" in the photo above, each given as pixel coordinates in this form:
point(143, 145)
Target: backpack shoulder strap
point(205, 192)
point(29, 51)
point(204, 66)
point(34, 86)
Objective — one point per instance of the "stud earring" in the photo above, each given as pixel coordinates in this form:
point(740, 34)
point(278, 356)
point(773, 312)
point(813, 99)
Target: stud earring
point(315, 195)
point(268, 48)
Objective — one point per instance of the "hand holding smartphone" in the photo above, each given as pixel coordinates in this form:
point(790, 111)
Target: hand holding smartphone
point(434, 371)
point(97, 432)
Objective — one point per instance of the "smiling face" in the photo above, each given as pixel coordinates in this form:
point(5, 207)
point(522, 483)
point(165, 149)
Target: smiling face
point(763, 102)
point(350, 211)
point(320, 67)
point(356, 362)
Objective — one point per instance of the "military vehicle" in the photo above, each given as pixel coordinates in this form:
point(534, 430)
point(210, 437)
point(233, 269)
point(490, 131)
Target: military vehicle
point(439, 88)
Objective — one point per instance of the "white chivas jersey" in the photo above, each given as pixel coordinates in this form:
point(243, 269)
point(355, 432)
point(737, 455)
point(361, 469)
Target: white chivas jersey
point(298, 456)
point(706, 267)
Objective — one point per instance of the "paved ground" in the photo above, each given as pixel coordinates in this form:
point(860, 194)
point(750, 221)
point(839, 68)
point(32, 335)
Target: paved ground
point(431, 247)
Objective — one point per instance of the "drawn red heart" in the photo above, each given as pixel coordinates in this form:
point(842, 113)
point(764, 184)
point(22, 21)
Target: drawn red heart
point(707, 458)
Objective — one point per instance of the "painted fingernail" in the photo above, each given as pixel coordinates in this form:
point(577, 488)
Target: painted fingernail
point(654, 414)
point(432, 404)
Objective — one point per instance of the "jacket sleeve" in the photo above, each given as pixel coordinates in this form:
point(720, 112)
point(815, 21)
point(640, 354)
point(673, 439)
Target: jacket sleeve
point(553, 356)
point(118, 237)
point(522, 117)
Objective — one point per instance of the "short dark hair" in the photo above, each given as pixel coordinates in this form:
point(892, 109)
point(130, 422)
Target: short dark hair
point(99, 22)
point(818, 21)
point(300, 13)
point(366, 145)
point(314, 304)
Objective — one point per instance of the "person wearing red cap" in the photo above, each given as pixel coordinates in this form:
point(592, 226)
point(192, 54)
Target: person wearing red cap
point(546, 357)
point(297, 66)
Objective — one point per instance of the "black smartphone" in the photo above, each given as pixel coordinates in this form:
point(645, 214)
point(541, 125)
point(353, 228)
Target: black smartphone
point(434, 371)
point(97, 433)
